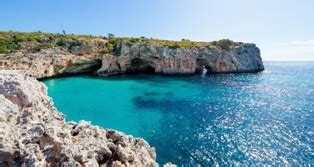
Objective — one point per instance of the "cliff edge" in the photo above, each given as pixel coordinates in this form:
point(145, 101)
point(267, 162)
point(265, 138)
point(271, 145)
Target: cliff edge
point(43, 55)
point(34, 133)
point(155, 58)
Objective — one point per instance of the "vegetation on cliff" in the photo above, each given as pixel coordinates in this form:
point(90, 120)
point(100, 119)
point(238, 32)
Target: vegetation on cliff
point(76, 54)
point(35, 41)
point(113, 45)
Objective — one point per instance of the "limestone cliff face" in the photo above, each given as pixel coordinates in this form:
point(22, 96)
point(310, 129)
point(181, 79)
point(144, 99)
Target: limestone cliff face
point(34, 133)
point(51, 62)
point(180, 61)
point(134, 57)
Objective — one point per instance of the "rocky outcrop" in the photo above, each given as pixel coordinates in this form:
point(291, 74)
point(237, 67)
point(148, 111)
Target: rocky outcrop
point(34, 133)
point(52, 62)
point(134, 57)
point(180, 61)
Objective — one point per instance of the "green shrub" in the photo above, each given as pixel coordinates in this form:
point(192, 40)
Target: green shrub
point(41, 46)
point(110, 36)
point(214, 43)
point(12, 41)
point(61, 43)
point(109, 48)
point(225, 44)
point(7, 45)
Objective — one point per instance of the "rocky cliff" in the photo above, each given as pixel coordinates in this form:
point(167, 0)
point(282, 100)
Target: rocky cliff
point(49, 63)
point(181, 61)
point(45, 55)
point(34, 133)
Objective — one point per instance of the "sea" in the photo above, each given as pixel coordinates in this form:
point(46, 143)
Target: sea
point(264, 118)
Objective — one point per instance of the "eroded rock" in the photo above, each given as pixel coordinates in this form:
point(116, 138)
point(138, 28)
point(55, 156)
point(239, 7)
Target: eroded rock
point(136, 57)
point(180, 61)
point(50, 62)
point(34, 133)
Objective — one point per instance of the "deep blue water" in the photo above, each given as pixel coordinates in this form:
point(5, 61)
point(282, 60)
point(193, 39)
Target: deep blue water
point(263, 118)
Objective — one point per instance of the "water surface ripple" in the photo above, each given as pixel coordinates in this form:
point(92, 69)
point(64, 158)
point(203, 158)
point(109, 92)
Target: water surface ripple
point(264, 118)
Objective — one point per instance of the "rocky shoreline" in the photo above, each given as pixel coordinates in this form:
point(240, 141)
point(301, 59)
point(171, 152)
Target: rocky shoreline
point(154, 58)
point(34, 133)
point(59, 55)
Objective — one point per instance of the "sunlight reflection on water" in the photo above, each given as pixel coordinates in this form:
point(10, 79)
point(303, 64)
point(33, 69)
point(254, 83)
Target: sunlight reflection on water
point(264, 118)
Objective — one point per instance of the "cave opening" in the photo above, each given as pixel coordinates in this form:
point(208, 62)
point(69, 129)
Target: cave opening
point(200, 63)
point(141, 66)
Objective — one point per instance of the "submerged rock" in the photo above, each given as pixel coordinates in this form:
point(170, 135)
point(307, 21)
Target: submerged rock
point(34, 133)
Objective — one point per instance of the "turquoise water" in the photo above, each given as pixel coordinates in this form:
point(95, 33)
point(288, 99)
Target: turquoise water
point(264, 118)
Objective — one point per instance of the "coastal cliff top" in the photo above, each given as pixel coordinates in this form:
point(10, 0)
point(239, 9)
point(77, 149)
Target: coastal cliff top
point(11, 42)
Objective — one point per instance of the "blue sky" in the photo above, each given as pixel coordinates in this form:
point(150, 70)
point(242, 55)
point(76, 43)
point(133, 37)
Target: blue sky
point(283, 29)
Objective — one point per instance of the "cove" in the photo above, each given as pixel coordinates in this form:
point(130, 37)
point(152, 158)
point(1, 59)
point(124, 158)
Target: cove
point(264, 118)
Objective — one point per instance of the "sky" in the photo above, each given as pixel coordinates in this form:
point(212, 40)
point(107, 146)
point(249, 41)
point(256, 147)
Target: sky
point(282, 29)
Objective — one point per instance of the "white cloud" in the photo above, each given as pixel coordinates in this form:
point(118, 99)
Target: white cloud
point(291, 51)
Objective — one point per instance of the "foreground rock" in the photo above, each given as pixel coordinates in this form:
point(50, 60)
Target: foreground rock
point(34, 133)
